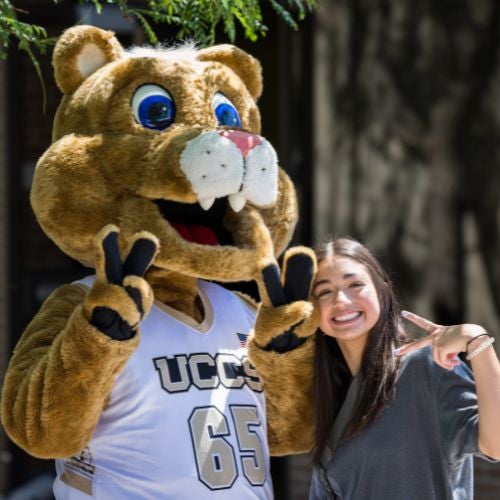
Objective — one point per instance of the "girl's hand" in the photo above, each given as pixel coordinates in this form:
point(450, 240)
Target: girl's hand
point(446, 341)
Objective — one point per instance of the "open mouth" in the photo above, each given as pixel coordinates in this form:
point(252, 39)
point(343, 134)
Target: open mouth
point(347, 318)
point(196, 225)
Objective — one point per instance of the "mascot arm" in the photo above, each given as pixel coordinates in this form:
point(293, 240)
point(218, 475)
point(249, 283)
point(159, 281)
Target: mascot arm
point(287, 381)
point(59, 377)
point(67, 360)
point(282, 351)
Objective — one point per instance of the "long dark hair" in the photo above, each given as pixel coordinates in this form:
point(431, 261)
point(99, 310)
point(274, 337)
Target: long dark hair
point(379, 366)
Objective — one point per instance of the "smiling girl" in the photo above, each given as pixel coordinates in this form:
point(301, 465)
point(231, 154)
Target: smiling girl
point(394, 421)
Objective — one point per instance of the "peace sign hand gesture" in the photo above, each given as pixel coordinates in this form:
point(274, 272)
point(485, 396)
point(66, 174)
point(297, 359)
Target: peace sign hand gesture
point(287, 317)
point(120, 297)
point(446, 341)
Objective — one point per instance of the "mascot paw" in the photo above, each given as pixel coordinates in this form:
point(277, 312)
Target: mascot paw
point(120, 297)
point(287, 316)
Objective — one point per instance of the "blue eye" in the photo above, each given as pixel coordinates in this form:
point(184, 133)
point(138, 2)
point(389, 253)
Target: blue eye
point(225, 111)
point(153, 107)
point(227, 115)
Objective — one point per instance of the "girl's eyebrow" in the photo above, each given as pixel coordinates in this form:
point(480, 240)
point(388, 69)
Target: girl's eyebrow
point(349, 275)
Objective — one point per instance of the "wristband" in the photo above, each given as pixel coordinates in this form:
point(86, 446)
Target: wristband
point(481, 347)
point(474, 338)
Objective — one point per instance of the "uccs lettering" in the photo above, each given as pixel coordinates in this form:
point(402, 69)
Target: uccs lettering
point(204, 371)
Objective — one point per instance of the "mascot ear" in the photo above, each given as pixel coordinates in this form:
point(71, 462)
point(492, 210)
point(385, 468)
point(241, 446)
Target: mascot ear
point(79, 52)
point(243, 64)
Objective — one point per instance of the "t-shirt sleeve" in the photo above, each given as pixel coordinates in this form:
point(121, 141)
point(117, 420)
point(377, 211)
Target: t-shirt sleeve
point(458, 414)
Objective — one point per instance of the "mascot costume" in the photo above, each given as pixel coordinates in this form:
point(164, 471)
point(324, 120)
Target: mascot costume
point(137, 380)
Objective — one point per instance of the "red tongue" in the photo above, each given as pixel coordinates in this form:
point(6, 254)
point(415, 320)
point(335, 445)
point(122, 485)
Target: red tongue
point(197, 234)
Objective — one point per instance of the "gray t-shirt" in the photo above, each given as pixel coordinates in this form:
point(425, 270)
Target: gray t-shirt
point(419, 448)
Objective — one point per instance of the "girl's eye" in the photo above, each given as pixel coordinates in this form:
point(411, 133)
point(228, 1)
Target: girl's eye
point(323, 293)
point(356, 284)
point(225, 111)
point(153, 107)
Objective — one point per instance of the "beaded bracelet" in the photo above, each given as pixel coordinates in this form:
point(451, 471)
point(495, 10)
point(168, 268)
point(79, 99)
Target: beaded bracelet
point(474, 338)
point(481, 347)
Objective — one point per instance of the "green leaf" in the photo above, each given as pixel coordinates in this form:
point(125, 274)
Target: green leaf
point(146, 27)
point(38, 70)
point(193, 18)
point(284, 14)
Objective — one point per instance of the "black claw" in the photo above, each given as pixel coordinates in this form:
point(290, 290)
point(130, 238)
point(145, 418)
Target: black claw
point(285, 342)
point(111, 323)
point(139, 258)
point(112, 264)
point(272, 282)
point(298, 277)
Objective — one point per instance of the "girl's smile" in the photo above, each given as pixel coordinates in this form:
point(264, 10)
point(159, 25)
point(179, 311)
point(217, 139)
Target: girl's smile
point(346, 319)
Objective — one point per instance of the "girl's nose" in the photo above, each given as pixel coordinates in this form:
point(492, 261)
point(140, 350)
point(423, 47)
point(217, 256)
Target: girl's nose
point(341, 297)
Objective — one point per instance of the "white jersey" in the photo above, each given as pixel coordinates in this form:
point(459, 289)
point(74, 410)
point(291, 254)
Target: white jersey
point(186, 417)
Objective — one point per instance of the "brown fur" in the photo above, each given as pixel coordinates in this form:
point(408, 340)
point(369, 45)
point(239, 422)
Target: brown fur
point(58, 342)
point(247, 68)
point(103, 169)
point(287, 382)
point(287, 378)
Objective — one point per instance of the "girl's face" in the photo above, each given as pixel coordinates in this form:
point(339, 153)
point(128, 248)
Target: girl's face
point(347, 298)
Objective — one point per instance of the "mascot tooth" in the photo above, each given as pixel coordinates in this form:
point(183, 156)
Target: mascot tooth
point(206, 203)
point(237, 201)
point(137, 379)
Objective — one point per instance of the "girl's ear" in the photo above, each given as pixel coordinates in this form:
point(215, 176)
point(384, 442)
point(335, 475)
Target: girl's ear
point(242, 63)
point(79, 52)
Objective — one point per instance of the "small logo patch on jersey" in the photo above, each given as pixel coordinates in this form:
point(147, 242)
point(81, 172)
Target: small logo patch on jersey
point(79, 472)
point(243, 338)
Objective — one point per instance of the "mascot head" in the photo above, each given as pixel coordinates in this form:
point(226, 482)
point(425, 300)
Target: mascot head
point(167, 141)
